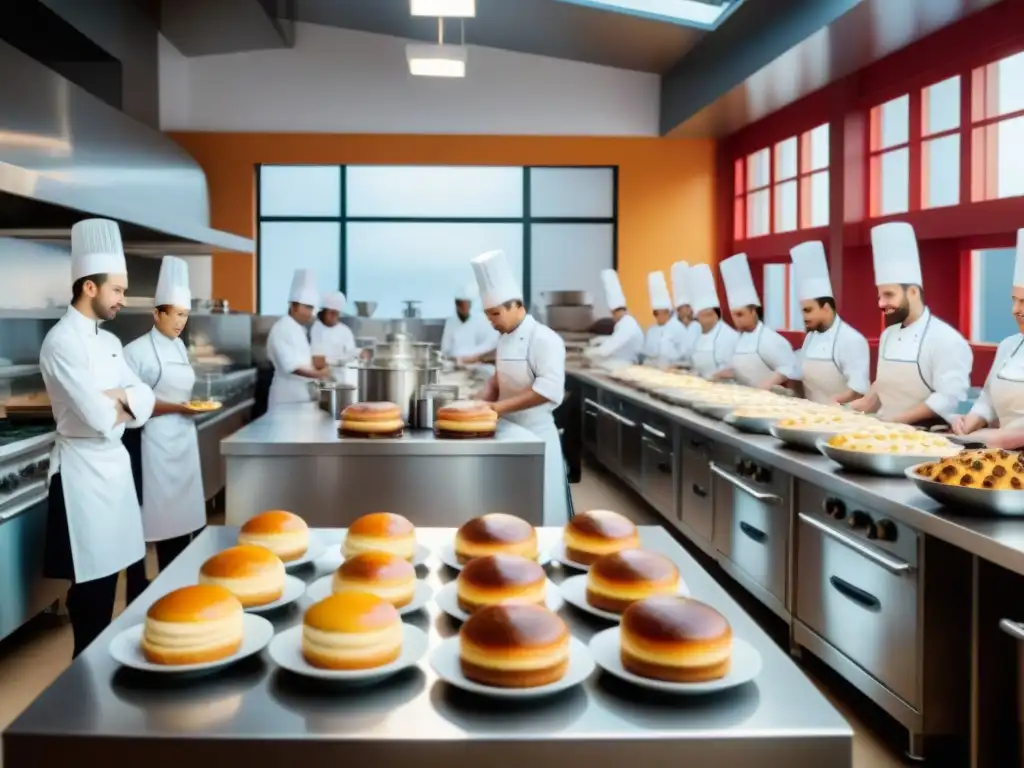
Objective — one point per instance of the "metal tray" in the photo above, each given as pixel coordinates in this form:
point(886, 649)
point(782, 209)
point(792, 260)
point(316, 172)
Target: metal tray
point(806, 439)
point(1006, 503)
point(713, 410)
point(760, 425)
point(683, 397)
point(884, 464)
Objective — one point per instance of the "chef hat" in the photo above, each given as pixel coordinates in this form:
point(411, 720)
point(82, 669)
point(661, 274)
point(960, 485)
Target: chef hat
point(657, 286)
point(334, 300)
point(172, 284)
point(495, 279)
point(304, 288)
point(467, 292)
point(739, 283)
point(1018, 269)
point(613, 294)
point(810, 271)
point(96, 249)
point(701, 286)
point(894, 249)
point(679, 276)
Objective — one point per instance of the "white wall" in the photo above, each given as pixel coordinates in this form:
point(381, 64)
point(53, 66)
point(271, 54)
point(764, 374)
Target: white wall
point(341, 81)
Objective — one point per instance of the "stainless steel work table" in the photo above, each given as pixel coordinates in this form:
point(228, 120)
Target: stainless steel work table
point(258, 715)
point(998, 540)
point(294, 459)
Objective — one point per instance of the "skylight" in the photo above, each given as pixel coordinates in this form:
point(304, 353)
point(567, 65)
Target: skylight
point(704, 13)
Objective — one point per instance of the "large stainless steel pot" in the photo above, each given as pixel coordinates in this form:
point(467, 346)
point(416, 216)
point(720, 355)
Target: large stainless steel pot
point(567, 298)
point(398, 384)
point(335, 396)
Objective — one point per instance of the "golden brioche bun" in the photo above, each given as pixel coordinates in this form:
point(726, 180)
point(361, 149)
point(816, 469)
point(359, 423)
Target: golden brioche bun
point(254, 575)
point(388, 576)
point(193, 625)
point(500, 580)
point(467, 410)
point(589, 535)
point(373, 411)
point(514, 646)
point(675, 639)
point(274, 521)
point(283, 533)
point(617, 580)
point(351, 630)
point(381, 532)
point(495, 533)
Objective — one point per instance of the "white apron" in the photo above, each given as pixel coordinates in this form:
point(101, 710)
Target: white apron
point(104, 524)
point(705, 361)
point(515, 377)
point(747, 364)
point(1006, 389)
point(823, 381)
point(899, 383)
point(172, 480)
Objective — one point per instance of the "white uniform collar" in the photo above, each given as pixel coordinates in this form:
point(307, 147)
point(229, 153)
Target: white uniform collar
point(159, 338)
point(714, 328)
point(523, 327)
point(917, 324)
point(832, 330)
point(755, 329)
point(84, 325)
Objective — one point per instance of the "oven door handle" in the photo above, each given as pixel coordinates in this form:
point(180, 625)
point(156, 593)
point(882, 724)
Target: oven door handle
point(26, 503)
point(609, 412)
point(754, 534)
point(890, 564)
point(653, 432)
point(1012, 628)
point(856, 594)
point(763, 496)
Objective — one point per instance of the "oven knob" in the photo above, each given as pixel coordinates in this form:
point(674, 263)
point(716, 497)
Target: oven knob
point(27, 471)
point(762, 474)
point(858, 520)
point(883, 530)
point(834, 508)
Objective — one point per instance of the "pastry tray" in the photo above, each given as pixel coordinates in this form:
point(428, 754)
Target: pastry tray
point(1007, 503)
point(802, 438)
point(884, 464)
point(758, 425)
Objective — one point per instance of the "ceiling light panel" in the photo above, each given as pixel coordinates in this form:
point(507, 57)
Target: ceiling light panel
point(436, 60)
point(688, 12)
point(452, 9)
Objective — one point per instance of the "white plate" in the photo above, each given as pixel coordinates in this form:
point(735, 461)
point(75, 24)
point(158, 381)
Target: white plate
point(448, 600)
point(286, 651)
point(445, 661)
point(746, 665)
point(574, 590)
point(315, 549)
point(323, 588)
point(126, 648)
point(294, 588)
point(447, 556)
point(559, 556)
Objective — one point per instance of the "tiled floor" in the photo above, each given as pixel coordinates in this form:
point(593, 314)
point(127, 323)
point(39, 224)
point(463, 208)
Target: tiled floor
point(34, 656)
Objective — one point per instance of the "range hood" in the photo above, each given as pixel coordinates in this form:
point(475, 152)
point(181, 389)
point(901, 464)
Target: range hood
point(66, 155)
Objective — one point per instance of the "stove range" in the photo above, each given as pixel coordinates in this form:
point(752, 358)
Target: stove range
point(13, 433)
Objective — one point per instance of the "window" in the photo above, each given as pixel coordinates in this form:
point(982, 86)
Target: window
point(890, 157)
point(991, 308)
point(814, 193)
point(997, 125)
point(781, 302)
point(940, 145)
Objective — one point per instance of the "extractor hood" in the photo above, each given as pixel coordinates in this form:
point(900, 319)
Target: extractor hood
point(65, 155)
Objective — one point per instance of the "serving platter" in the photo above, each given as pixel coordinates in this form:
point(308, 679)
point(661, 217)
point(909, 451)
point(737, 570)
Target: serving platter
point(1004, 503)
point(761, 425)
point(883, 464)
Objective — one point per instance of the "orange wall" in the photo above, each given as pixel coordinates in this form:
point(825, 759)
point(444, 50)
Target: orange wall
point(666, 188)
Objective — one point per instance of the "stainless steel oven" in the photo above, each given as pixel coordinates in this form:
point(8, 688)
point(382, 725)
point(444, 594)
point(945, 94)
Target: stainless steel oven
point(696, 510)
point(659, 470)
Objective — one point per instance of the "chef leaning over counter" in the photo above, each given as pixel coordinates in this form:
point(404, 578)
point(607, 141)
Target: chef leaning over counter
point(713, 352)
point(94, 526)
point(288, 345)
point(467, 336)
point(924, 364)
point(662, 344)
point(689, 329)
point(626, 343)
point(834, 364)
point(331, 341)
point(529, 382)
point(762, 358)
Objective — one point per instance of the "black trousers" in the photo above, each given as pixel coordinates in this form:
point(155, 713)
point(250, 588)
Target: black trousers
point(166, 551)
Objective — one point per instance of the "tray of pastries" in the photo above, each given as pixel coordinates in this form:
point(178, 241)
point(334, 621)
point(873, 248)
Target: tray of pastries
point(647, 379)
point(884, 452)
point(758, 418)
point(803, 431)
point(984, 480)
point(718, 405)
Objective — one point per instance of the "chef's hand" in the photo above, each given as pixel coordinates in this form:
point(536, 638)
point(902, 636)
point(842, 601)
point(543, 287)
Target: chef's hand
point(1007, 439)
point(117, 395)
point(964, 425)
point(866, 404)
point(322, 374)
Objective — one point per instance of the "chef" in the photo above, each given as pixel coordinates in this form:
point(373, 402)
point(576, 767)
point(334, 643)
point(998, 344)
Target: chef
point(331, 341)
point(924, 364)
point(661, 343)
point(173, 504)
point(529, 382)
point(713, 352)
point(762, 358)
point(467, 337)
point(834, 363)
point(627, 340)
point(1001, 402)
point(94, 527)
point(690, 330)
point(288, 346)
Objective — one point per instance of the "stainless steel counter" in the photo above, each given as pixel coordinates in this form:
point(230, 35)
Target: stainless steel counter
point(255, 713)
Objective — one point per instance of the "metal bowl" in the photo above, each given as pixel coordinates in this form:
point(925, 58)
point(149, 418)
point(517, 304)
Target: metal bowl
point(365, 308)
point(712, 410)
point(1009, 503)
point(683, 397)
point(760, 425)
point(807, 439)
point(884, 464)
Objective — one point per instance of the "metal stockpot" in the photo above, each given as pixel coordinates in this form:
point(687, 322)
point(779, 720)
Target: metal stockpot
point(398, 384)
point(334, 397)
point(425, 409)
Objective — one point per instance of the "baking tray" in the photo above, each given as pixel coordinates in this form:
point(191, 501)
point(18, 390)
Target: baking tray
point(713, 410)
point(803, 438)
point(1006, 503)
point(758, 425)
point(683, 397)
point(884, 464)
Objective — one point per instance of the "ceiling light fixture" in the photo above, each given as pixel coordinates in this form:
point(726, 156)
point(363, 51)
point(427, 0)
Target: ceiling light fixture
point(436, 60)
point(459, 9)
point(687, 12)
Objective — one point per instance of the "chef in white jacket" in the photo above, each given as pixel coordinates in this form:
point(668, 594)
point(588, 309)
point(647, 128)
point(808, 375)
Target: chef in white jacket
point(713, 352)
point(288, 346)
point(529, 382)
point(690, 330)
point(924, 364)
point(662, 340)
point(834, 363)
point(173, 505)
point(94, 527)
point(762, 358)
point(467, 337)
point(331, 341)
point(627, 340)
point(1001, 402)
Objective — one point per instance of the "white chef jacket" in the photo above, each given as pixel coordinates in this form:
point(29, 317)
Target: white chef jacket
point(335, 342)
point(1007, 372)
point(944, 359)
point(848, 350)
point(686, 339)
point(714, 350)
point(626, 342)
point(775, 352)
point(475, 336)
point(661, 342)
point(288, 349)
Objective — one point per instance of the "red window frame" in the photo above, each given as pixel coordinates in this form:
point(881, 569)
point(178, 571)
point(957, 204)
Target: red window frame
point(984, 131)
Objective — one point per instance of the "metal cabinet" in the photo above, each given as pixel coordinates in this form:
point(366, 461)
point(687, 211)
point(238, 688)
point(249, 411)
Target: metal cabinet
point(696, 511)
point(659, 474)
point(24, 591)
point(631, 435)
point(589, 424)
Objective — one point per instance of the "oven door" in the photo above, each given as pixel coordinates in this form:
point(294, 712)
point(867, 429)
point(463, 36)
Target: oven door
point(24, 591)
point(658, 473)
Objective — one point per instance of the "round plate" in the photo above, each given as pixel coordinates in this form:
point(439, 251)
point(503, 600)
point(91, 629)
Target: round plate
point(884, 464)
point(447, 556)
point(559, 556)
point(574, 590)
point(746, 665)
point(448, 600)
point(315, 549)
point(419, 556)
point(445, 661)
point(286, 651)
point(322, 588)
point(126, 648)
point(294, 588)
